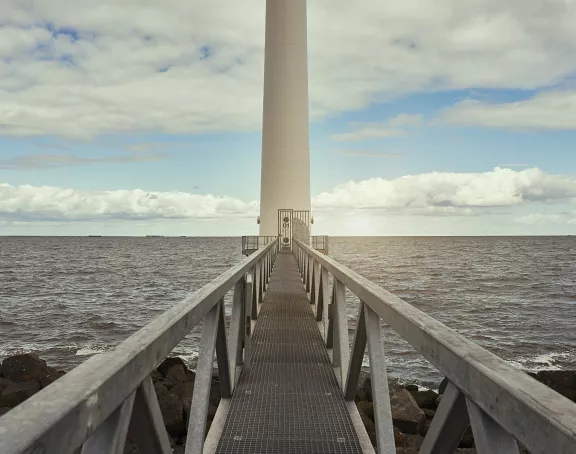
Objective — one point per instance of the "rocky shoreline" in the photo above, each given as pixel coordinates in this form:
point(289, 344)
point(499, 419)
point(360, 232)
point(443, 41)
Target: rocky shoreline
point(413, 408)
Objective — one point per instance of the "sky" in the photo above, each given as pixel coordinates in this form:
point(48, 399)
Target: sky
point(443, 117)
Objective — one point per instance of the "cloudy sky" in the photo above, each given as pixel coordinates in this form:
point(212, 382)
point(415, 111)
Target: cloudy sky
point(429, 117)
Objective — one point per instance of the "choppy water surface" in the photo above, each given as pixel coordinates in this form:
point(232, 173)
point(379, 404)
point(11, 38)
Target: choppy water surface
point(68, 298)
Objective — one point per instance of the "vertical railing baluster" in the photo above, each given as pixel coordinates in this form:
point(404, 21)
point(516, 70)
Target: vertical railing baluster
point(237, 328)
point(249, 310)
point(320, 299)
point(110, 437)
point(313, 283)
point(225, 372)
point(448, 425)
point(147, 424)
point(203, 381)
point(342, 345)
point(489, 436)
point(358, 349)
point(379, 380)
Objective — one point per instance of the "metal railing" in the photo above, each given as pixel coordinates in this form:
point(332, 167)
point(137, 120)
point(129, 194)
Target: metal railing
point(502, 404)
point(95, 403)
point(250, 244)
point(320, 243)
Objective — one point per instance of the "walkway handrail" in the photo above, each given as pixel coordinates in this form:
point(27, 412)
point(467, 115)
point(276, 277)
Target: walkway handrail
point(502, 403)
point(92, 404)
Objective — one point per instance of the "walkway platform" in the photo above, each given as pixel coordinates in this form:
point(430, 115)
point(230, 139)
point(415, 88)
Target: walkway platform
point(288, 399)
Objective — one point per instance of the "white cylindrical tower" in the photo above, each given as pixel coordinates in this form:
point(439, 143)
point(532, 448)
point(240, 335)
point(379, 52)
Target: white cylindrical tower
point(285, 132)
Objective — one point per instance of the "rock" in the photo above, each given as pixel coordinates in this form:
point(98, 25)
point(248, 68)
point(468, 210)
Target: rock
point(425, 427)
point(3, 384)
point(178, 373)
point(51, 376)
point(467, 440)
point(172, 410)
point(438, 400)
point(411, 388)
point(370, 427)
point(215, 394)
point(179, 450)
point(156, 376)
point(443, 385)
point(465, 451)
point(413, 441)
point(399, 438)
point(429, 413)
point(4, 410)
point(406, 450)
point(21, 368)
point(561, 381)
point(364, 388)
point(168, 363)
point(367, 408)
point(425, 399)
point(16, 393)
point(184, 392)
point(406, 414)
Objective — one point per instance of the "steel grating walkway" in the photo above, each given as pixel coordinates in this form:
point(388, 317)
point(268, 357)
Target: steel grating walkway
point(288, 400)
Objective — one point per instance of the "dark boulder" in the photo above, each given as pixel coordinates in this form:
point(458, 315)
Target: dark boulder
point(16, 393)
point(367, 408)
point(443, 386)
point(413, 441)
point(3, 384)
point(425, 399)
point(51, 376)
point(4, 410)
point(406, 414)
point(21, 368)
point(172, 410)
point(169, 363)
point(156, 376)
point(179, 374)
point(184, 391)
point(561, 381)
point(429, 413)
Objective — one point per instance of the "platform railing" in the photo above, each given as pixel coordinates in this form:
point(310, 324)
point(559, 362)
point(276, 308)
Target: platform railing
point(501, 403)
point(251, 244)
point(94, 404)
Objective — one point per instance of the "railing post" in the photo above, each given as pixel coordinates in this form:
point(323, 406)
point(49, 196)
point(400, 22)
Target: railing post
point(489, 436)
point(322, 282)
point(237, 328)
point(379, 380)
point(313, 283)
point(110, 437)
point(147, 421)
point(448, 425)
point(341, 352)
point(358, 349)
point(203, 381)
point(249, 310)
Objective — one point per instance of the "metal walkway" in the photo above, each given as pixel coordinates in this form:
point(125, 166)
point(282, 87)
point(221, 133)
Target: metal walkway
point(288, 399)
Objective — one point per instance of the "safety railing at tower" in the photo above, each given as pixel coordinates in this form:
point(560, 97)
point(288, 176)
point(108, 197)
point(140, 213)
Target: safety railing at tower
point(501, 403)
point(251, 244)
point(320, 243)
point(94, 404)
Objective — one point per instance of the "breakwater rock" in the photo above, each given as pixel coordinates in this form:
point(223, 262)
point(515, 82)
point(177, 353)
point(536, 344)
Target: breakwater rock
point(413, 408)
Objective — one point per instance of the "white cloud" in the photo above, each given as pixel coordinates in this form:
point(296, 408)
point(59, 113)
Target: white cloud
point(101, 71)
point(45, 203)
point(450, 193)
point(549, 110)
point(431, 194)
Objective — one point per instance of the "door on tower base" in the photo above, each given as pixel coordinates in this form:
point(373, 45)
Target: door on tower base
point(293, 224)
